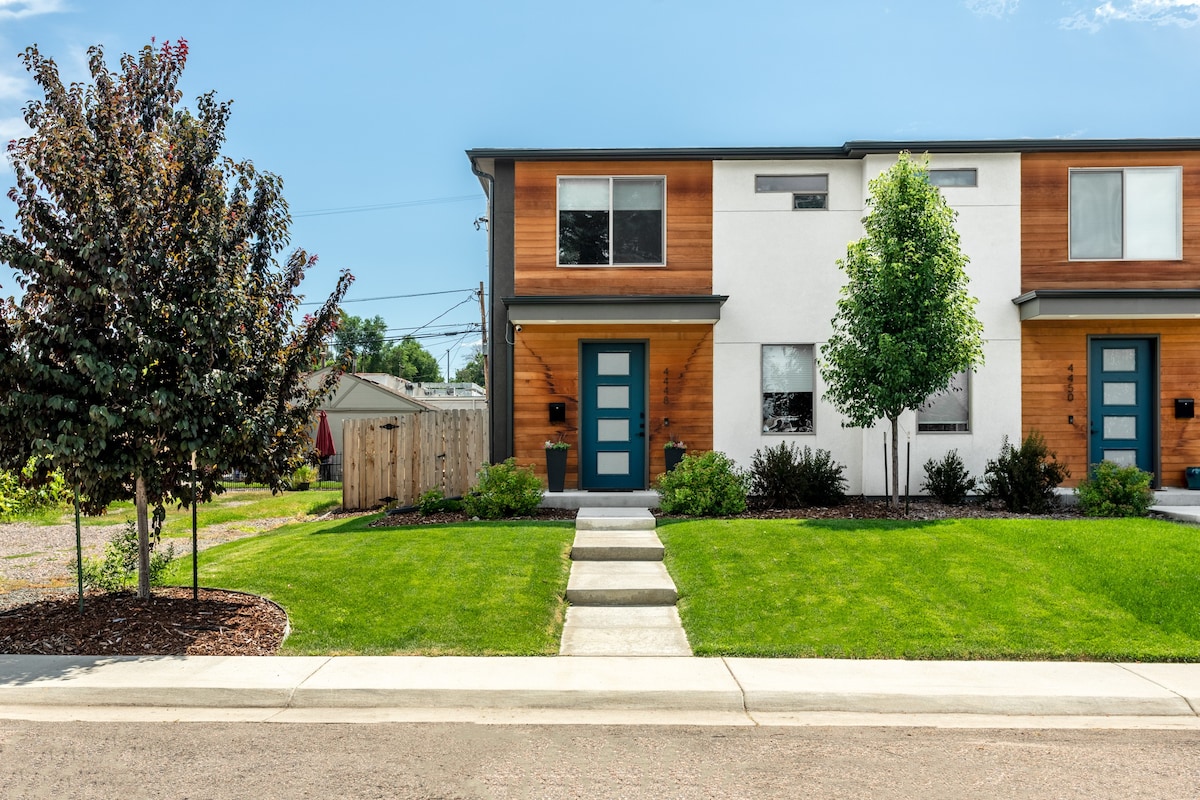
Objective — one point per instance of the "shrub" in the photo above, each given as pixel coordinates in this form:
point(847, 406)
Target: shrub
point(20, 495)
point(1024, 478)
point(787, 477)
point(1114, 491)
point(304, 475)
point(504, 490)
point(708, 485)
point(947, 480)
point(434, 501)
point(117, 568)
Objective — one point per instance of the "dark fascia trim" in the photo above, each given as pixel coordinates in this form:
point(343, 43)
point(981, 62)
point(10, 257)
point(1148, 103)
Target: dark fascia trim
point(1109, 304)
point(853, 150)
point(615, 309)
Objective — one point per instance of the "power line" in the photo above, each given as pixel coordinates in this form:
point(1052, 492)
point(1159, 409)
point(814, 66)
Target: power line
point(324, 212)
point(392, 297)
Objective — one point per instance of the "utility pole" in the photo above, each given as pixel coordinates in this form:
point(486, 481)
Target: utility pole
point(487, 378)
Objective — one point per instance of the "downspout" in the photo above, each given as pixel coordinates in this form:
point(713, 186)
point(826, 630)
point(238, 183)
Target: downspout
point(491, 270)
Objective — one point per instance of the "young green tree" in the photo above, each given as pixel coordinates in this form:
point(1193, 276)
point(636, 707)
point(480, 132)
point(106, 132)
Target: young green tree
point(363, 338)
point(905, 323)
point(156, 328)
point(417, 363)
point(473, 370)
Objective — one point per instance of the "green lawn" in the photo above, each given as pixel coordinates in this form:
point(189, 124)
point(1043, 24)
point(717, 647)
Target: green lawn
point(477, 589)
point(956, 589)
point(232, 506)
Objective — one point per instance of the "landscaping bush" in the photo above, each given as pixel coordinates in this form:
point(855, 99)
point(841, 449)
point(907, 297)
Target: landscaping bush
point(504, 490)
point(785, 476)
point(708, 485)
point(117, 568)
point(1114, 491)
point(947, 480)
point(1024, 478)
point(435, 501)
point(18, 497)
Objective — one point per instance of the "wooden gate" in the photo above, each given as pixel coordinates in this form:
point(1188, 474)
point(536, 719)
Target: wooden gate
point(394, 460)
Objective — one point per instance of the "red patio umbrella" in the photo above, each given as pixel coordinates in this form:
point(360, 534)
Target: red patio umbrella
point(325, 446)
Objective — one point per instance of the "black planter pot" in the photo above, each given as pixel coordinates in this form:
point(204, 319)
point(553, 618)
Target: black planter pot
point(556, 469)
point(674, 456)
point(1193, 477)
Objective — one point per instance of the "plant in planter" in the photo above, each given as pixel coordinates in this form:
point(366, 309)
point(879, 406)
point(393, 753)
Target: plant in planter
point(674, 452)
point(303, 477)
point(556, 464)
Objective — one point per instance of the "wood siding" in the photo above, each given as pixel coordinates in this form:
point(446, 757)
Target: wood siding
point(689, 215)
point(1049, 347)
point(679, 389)
point(1045, 262)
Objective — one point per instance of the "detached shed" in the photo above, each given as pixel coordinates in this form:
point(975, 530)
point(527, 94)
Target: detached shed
point(359, 398)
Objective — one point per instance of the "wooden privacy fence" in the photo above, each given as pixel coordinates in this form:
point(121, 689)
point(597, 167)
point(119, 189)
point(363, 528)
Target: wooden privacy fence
point(394, 460)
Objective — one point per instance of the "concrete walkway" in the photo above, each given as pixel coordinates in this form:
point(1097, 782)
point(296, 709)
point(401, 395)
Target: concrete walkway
point(622, 599)
point(712, 690)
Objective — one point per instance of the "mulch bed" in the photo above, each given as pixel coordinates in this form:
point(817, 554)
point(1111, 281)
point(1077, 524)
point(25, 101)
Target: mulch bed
point(170, 623)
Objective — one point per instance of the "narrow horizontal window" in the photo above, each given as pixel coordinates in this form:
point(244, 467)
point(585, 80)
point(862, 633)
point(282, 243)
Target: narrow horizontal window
point(954, 177)
point(808, 191)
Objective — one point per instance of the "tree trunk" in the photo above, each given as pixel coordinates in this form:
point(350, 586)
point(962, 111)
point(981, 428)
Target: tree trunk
point(895, 461)
point(143, 531)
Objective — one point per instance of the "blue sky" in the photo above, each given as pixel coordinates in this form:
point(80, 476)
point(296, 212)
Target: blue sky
point(372, 104)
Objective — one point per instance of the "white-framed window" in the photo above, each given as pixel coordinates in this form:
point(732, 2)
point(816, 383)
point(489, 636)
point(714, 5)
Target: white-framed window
point(612, 221)
point(948, 411)
point(808, 191)
point(1132, 214)
point(955, 177)
point(787, 388)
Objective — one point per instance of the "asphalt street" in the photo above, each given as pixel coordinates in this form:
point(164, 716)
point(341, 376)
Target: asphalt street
point(460, 760)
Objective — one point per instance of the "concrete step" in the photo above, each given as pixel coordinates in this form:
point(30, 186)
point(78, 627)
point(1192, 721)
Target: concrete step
point(578, 499)
point(614, 519)
point(1179, 513)
point(1177, 497)
point(616, 546)
point(620, 583)
point(624, 631)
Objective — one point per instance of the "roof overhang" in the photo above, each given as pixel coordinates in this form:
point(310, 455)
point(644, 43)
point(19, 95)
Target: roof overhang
point(1109, 304)
point(615, 309)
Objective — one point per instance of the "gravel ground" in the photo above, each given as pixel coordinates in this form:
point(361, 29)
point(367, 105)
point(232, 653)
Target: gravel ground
point(37, 562)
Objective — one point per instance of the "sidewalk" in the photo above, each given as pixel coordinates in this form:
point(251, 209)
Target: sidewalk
point(576, 689)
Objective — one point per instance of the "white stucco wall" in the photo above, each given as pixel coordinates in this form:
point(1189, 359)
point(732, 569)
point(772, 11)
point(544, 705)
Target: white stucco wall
point(778, 267)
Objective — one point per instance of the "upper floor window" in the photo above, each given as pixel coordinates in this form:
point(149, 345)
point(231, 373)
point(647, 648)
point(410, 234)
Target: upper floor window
point(965, 176)
point(787, 388)
point(1132, 214)
point(611, 221)
point(949, 410)
point(808, 191)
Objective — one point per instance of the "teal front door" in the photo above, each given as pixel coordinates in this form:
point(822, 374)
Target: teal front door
point(1121, 402)
point(612, 449)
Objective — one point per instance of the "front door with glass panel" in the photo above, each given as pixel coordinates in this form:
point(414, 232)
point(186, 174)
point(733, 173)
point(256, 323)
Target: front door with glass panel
point(1121, 402)
point(612, 451)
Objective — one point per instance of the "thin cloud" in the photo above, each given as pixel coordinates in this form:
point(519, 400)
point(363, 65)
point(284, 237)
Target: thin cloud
point(19, 9)
point(1182, 13)
point(992, 8)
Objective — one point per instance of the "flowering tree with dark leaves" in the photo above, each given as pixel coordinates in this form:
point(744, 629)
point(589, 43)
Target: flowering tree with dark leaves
point(155, 345)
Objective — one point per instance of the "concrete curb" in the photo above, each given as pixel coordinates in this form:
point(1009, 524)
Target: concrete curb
point(666, 684)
